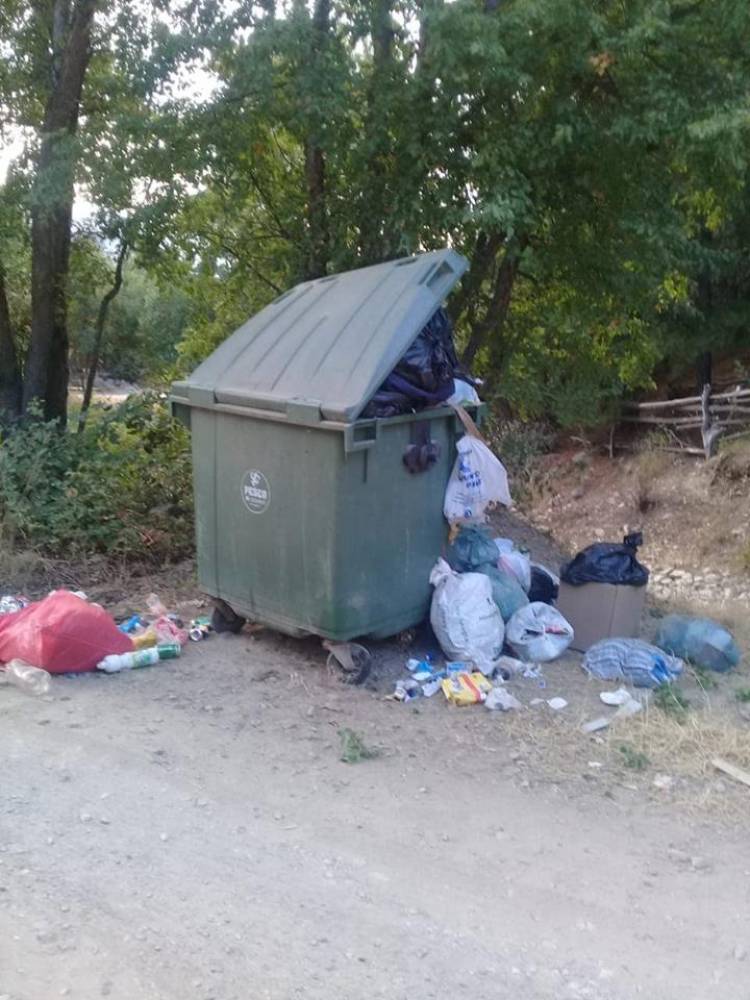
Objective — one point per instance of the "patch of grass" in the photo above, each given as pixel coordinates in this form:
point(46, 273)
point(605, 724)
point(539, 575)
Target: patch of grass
point(650, 465)
point(672, 702)
point(742, 694)
point(354, 749)
point(636, 760)
point(704, 678)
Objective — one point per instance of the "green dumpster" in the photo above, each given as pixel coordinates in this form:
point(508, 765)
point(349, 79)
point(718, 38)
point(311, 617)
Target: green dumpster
point(306, 517)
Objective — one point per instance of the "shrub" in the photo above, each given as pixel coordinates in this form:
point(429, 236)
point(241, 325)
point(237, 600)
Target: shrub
point(123, 487)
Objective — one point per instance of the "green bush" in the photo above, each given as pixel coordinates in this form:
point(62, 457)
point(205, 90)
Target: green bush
point(123, 487)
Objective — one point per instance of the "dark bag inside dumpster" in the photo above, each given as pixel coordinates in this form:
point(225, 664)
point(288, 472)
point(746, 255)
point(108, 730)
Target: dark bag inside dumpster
point(424, 375)
point(608, 562)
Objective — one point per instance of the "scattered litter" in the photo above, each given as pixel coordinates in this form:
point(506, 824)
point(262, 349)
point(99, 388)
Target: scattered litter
point(464, 616)
point(595, 763)
point(738, 773)
point(168, 628)
point(608, 562)
point(533, 672)
point(498, 699)
point(466, 689)
point(407, 690)
point(419, 666)
point(199, 628)
point(431, 687)
point(618, 697)
point(595, 725)
point(509, 666)
point(10, 603)
point(459, 667)
point(663, 782)
point(155, 606)
point(634, 660)
point(538, 632)
point(61, 634)
point(136, 658)
point(627, 707)
point(557, 704)
point(31, 680)
point(704, 642)
point(131, 624)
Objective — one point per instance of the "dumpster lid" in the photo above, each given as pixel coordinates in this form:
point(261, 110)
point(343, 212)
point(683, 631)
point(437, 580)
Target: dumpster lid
point(322, 349)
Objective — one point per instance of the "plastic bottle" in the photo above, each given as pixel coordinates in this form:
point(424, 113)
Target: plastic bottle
point(32, 680)
point(129, 661)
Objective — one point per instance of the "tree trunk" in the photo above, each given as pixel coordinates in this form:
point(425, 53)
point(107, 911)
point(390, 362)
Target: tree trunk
point(10, 373)
point(496, 314)
point(46, 370)
point(315, 166)
point(101, 319)
point(376, 228)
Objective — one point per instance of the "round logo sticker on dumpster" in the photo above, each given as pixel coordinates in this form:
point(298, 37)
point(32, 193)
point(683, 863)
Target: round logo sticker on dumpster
point(256, 493)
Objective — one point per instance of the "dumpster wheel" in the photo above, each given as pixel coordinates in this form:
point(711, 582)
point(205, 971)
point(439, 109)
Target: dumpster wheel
point(349, 659)
point(224, 619)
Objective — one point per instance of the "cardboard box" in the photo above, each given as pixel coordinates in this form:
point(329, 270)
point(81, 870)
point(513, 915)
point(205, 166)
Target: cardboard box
point(601, 611)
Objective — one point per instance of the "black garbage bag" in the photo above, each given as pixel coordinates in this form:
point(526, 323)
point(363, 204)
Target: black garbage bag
point(543, 587)
point(424, 375)
point(607, 562)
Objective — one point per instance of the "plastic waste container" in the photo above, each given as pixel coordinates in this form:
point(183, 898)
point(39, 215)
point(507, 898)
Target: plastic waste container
point(307, 518)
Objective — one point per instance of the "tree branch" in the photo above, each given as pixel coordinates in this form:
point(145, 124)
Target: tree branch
point(101, 319)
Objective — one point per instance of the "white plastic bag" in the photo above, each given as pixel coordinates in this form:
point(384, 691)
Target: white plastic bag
point(463, 393)
point(465, 619)
point(538, 632)
point(478, 478)
point(517, 563)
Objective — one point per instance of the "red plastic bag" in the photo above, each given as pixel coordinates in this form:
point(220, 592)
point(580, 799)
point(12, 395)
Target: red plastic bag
point(62, 634)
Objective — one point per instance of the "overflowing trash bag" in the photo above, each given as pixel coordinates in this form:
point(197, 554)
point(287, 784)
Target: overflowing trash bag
point(633, 660)
point(538, 632)
point(424, 376)
point(475, 551)
point(608, 562)
point(478, 479)
point(507, 592)
point(61, 634)
point(465, 618)
point(514, 561)
point(472, 548)
point(704, 642)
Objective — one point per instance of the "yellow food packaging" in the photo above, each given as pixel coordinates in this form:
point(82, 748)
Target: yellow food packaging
point(466, 689)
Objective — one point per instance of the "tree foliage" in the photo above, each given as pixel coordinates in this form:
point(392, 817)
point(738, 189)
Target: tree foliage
point(589, 158)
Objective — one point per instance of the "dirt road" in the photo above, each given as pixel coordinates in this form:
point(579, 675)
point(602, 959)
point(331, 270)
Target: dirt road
point(189, 831)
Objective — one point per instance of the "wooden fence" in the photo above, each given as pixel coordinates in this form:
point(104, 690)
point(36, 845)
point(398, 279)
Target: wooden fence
point(713, 417)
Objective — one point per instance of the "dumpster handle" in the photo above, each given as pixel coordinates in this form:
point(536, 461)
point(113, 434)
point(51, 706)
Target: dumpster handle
point(361, 435)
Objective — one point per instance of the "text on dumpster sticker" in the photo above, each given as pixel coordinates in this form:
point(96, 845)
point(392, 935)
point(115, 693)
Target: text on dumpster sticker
point(256, 493)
